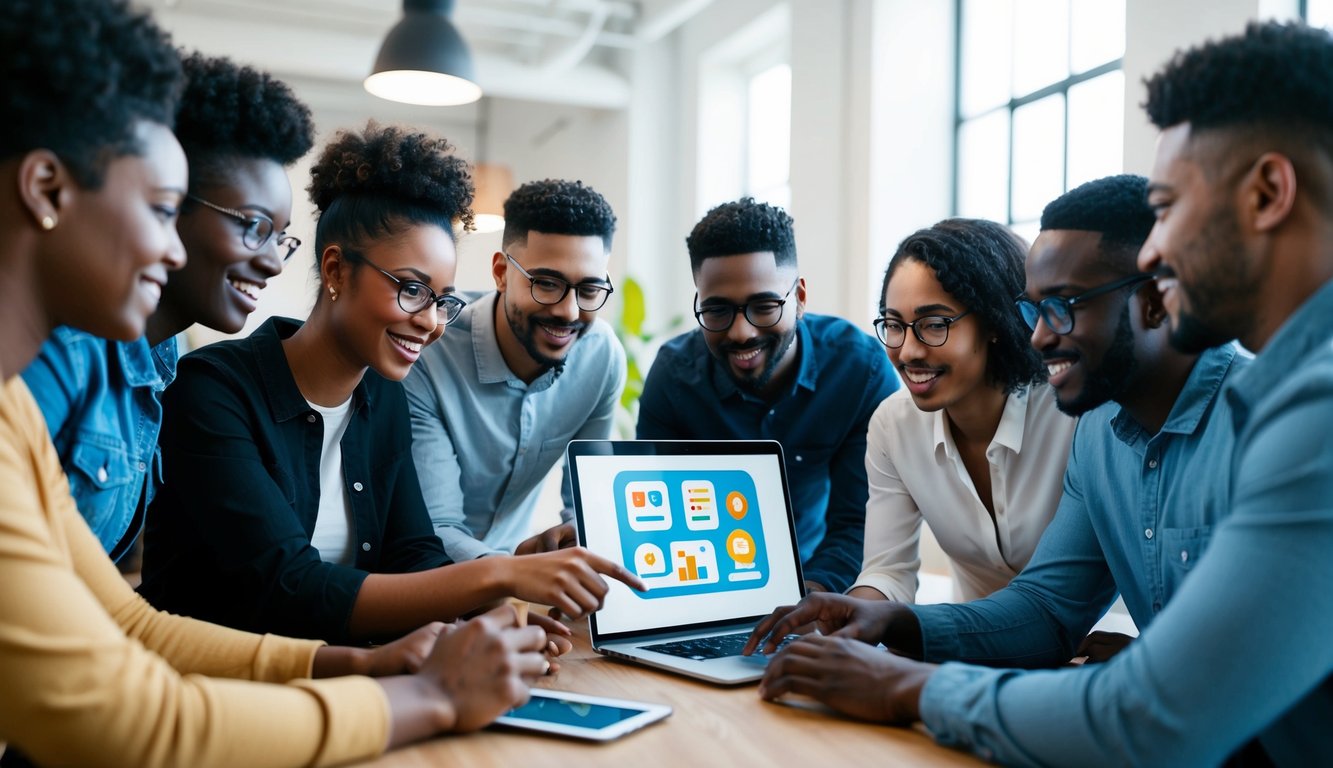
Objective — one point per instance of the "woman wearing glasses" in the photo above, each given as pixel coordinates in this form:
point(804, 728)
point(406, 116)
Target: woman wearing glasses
point(101, 398)
point(291, 503)
point(974, 445)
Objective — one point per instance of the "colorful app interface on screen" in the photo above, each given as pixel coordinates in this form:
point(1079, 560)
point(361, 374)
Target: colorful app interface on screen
point(691, 532)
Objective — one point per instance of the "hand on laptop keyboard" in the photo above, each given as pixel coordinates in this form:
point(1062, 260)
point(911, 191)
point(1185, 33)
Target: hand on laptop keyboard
point(715, 647)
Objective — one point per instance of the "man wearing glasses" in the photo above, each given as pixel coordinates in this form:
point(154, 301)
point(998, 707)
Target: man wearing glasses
point(524, 370)
point(759, 367)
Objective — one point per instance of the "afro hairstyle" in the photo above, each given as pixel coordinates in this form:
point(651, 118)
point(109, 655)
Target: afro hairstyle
point(742, 226)
point(558, 207)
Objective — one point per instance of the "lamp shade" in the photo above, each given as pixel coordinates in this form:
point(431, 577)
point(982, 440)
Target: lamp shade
point(424, 60)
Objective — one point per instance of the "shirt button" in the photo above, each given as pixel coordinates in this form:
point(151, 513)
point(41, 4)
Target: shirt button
point(310, 417)
point(798, 457)
point(358, 487)
point(1184, 556)
point(365, 546)
point(1147, 534)
point(101, 474)
point(1156, 607)
point(142, 466)
point(772, 412)
point(1152, 463)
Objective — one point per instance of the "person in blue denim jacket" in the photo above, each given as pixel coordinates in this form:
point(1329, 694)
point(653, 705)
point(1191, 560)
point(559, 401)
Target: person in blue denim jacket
point(102, 399)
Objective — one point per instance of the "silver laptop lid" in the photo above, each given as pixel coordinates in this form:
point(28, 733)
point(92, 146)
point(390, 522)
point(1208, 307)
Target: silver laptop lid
point(707, 524)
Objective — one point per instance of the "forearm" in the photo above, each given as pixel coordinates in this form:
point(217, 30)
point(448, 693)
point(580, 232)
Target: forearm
point(395, 603)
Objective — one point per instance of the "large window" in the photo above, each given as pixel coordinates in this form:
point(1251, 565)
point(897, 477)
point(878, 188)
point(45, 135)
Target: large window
point(768, 126)
point(1040, 103)
point(1319, 13)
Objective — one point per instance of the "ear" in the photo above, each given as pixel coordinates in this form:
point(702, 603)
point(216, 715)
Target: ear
point(333, 269)
point(800, 297)
point(45, 186)
point(1152, 313)
point(1269, 191)
point(499, 268)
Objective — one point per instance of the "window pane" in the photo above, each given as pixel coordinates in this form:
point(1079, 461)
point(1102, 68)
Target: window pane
point(1097, 30)
point(769, 128)
point(986, 56)
point(1028, 230)
point(1039, 154)
point(1319, 13)
point(1041, 44)
point(983, 167)
point(1096, 128)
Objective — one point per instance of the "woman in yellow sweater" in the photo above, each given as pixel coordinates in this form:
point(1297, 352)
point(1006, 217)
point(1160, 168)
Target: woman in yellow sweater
point(90, 181)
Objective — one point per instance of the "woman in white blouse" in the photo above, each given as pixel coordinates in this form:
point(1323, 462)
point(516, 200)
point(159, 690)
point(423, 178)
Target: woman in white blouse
point(973, 445)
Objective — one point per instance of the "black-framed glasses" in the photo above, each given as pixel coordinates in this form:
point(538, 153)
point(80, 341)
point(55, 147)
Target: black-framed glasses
point(414, 295)
point(1058, 311)
point(931, 330)
point(549, 289)
point(760, 313)
point(256, 228)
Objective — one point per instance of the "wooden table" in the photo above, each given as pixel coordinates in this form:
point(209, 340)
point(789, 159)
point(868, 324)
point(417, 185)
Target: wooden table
point(711, 725)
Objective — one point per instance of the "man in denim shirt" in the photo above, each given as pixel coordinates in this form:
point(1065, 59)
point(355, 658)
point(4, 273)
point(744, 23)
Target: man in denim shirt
point(1240, 250)
point(759, 367)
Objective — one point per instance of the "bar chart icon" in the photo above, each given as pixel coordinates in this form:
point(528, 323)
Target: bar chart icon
point(695, 562)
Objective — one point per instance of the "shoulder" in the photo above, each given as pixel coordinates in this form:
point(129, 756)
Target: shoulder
point(898, 419)
point(600, 344)
point(1044, 417)
point(840, 345)
point(71, 348)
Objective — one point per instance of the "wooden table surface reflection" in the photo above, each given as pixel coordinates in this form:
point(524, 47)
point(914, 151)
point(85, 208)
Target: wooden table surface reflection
point(710, 725)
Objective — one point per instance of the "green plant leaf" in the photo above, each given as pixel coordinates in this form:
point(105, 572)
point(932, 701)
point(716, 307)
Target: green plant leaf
point(632, 313)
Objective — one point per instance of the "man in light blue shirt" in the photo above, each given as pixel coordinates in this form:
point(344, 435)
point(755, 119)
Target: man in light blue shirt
point(1240, 250)
point(523, 371)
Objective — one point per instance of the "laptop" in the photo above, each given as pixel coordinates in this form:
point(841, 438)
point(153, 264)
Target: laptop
point(708, 525)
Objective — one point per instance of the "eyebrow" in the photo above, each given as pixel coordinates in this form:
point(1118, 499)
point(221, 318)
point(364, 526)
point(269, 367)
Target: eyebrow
point(1052, 290)
point(761, 296)
point(544, 272)
point(1157, 186)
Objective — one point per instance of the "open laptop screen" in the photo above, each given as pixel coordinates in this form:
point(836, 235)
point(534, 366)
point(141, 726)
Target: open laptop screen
point(705, 524)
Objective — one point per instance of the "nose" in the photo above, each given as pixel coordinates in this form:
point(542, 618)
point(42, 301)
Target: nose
point(912, 348)
point(268, 261)
point(741, 331)
point(1149, 257)
point(428, 319)
point(1042, 336)
point(567, 308)
point(174, 257)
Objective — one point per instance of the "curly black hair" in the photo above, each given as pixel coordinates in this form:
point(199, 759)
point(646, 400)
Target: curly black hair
point(1115, 206)
point(743, 226)
point(230, 111)
point(1274, 75)
point(379, 181)
point(79, 76)
point(980, 263)
point(558, 207)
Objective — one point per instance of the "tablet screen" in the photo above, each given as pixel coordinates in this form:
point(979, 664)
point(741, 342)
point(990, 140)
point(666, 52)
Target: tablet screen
point(583, 716)
point(580, 714)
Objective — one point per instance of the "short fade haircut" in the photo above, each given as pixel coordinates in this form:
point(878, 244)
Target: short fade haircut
point(1274, 76)
point(743, 226)
point(230, 112)
point(1114, 206)
point(79, 76)
point(981, 264)
point(558, 207)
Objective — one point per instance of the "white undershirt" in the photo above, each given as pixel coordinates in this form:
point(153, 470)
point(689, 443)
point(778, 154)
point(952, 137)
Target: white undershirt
point(333, 524)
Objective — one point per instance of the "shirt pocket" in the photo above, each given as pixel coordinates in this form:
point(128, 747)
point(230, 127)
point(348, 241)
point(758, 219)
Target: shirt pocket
point(100, 475)
point(1181, 549)
point(553, 451)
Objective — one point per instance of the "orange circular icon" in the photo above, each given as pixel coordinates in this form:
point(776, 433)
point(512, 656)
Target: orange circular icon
point(737, 504)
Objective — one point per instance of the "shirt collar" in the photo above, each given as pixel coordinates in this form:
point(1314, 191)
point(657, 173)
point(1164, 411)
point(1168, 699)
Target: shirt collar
point(1008, 433)
point(1194, 400)
point(139, 364)
point(491, 365)
point(285, 400)
point(1303, 333)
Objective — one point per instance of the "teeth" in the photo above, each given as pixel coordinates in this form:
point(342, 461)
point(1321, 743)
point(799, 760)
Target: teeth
point(1055, 369)
point(411, 346)
point(246, 287)
point(919, 377)
point(559, 333)
point(746, 355)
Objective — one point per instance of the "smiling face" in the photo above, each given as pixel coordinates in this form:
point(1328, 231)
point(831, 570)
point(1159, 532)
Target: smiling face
point(373, 329)
point(1207, 280)
point(536, 336)
point(114, 246)
point(760, 360)
point(1097, 361)
point(220, 284)
point(936, 377)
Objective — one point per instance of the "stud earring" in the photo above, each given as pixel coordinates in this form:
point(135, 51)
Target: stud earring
point(48, 222)
point(333, 293)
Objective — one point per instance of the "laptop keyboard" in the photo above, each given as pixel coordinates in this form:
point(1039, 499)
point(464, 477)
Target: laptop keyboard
point(715, 647)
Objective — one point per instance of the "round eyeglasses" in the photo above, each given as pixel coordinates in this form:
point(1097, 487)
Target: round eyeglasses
point(1058, 311)
point(760, 313)
point(414, 295)
point(549, 289)
point(256, 228)
point(931, 330)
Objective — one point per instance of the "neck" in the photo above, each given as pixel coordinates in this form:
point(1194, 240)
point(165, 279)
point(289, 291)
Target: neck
point(518, 360)
point(1302, 265)
point(26, 323)
point(974, 420)
point(1150, 402)
point(780, 381)
point(324, 372)
point(165, 323)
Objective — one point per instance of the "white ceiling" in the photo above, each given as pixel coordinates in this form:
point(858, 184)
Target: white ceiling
point(572, 52)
